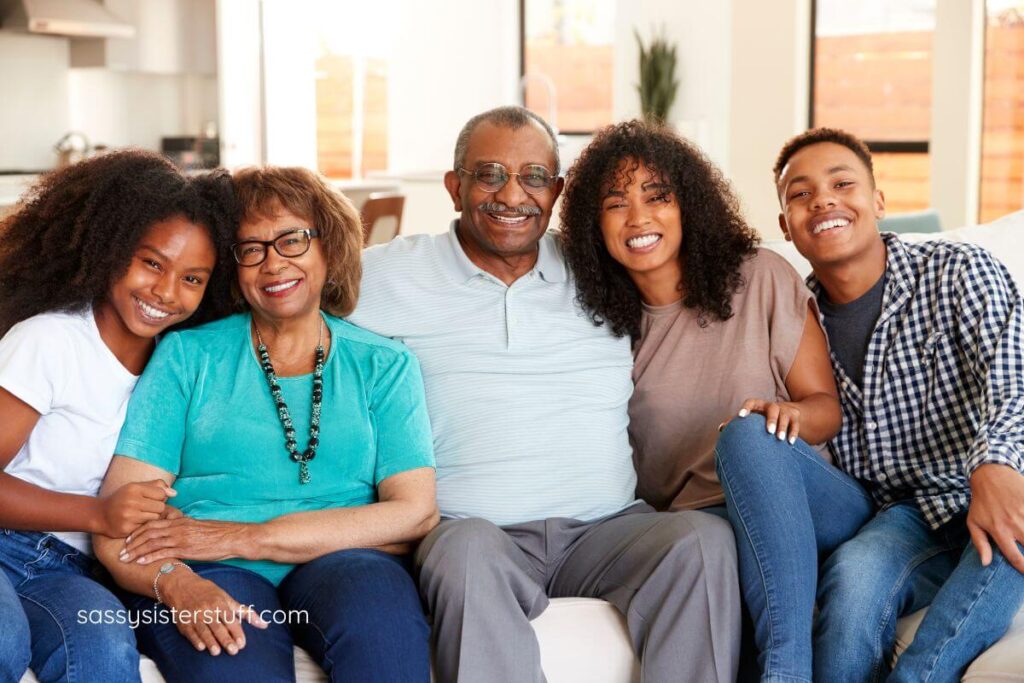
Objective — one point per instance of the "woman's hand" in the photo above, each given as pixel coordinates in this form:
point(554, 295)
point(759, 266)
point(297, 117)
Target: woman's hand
point(131, 505)
point(186, 539)
point(205, 614)
point(782, 418)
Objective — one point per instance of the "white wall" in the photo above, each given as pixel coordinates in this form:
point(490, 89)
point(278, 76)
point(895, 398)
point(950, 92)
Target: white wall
point(700, 31)
point(770, 44)
point(453, 59)
point(34, 95)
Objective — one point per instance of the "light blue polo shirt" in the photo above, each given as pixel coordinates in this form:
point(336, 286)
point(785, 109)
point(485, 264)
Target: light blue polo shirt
point(527, 398)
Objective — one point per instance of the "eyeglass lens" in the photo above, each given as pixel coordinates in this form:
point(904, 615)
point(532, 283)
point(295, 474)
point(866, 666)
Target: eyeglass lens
point(533, 177)
point(289, 244)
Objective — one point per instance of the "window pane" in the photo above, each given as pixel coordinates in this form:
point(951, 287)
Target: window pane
point(873, 68)
point(1002, 141)
point(872, 77)
point(568, 54)
point(351, 87)
point(903, 179)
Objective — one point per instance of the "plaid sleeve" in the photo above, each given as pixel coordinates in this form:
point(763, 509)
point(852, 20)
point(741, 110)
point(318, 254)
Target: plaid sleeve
point(990, 330)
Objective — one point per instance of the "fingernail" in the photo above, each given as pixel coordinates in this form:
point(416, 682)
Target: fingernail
point(126, 558)
point(240, 642)
point(792, 440)
point(232, 650)
point(781, 434)
point(215, 651)
point(721, 426)
point(128, 539)
point(201, 647)
point(771, 427)
point(744, 412)
point(141, 560)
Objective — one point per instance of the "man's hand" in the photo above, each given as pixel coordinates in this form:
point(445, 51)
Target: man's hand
point(997, 510)
point(185, 538)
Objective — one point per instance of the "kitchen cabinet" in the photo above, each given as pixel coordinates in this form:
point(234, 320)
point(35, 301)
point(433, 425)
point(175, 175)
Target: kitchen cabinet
point(171, 37)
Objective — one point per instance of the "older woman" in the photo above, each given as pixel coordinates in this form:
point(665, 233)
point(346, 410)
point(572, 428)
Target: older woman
point(720, 329)
point(300, 452)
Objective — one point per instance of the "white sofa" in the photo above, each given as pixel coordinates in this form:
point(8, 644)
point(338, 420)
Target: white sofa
point(584, 640)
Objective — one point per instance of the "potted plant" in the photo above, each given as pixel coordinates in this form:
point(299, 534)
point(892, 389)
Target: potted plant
point(658, 85)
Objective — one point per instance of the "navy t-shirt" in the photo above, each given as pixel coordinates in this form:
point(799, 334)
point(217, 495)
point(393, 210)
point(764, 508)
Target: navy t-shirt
point(850, 326)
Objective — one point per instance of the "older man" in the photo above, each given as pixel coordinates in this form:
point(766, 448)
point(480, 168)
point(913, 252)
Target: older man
point(527, 400)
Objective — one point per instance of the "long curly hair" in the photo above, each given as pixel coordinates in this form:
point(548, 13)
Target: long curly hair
point(716, 239)
point(75, 231)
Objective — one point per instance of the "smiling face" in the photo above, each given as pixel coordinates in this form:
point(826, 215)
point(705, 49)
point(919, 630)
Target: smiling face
point(641, 223)
point(507, 223)
point(830, 206)
point(166, 279)
point(282, 287)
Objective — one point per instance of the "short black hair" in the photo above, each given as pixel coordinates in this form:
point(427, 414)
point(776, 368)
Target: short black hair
point(512, 117)
point(817, 135)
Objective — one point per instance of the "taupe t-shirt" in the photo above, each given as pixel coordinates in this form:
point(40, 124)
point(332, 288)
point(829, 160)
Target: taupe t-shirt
point(689, 379)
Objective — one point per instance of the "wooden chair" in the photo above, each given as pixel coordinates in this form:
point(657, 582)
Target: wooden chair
point(382, 217)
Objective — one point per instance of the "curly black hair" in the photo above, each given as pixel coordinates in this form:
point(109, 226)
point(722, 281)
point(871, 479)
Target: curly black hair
point(716, 239)
point(75, 231)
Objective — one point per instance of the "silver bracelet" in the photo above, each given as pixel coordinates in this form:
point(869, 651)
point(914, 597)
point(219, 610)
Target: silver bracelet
point(165, 568)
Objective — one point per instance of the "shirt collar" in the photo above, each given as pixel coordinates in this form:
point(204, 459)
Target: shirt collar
point(898, 266)
point(550, 261)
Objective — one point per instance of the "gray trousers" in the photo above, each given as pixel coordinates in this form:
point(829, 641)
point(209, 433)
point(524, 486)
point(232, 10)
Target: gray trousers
point(671, 574)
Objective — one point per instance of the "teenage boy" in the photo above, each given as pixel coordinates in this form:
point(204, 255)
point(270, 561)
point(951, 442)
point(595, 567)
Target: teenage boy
point(926, 504)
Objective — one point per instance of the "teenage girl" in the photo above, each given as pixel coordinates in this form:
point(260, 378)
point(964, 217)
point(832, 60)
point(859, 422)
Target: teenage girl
point(100, 258)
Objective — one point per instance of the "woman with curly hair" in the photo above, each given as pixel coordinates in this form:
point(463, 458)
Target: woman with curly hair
point(99, 259)
point(720, 327)
point(660, 252)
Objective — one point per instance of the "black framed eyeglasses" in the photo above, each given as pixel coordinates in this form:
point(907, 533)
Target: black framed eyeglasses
point(288, 244)
point(533, 178)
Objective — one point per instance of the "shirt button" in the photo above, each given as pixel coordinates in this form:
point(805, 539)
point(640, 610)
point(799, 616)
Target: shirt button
point(871, 426)
point(882, 476)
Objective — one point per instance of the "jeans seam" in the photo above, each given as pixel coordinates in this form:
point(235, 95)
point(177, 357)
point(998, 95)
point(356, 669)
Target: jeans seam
point(978, 593)
point(915, 562)
point(724, 480)
point(63, 634)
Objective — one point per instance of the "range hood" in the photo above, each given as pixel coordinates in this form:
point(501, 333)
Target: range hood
point(73, 18)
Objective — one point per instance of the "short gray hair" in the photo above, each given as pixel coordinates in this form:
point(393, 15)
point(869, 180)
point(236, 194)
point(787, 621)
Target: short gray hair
point(513, 117)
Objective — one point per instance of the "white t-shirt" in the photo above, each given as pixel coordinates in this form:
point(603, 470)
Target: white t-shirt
point(58, 364)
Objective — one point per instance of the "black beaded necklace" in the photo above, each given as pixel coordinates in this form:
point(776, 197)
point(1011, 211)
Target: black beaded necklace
point(282, 408)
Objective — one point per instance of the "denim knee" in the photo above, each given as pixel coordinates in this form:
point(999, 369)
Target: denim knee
point(15, 640)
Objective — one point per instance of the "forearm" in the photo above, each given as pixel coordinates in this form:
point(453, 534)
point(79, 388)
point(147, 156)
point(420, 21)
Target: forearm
point(29, 507)
point(304, 536)
point(131, 576)
point(820, 417)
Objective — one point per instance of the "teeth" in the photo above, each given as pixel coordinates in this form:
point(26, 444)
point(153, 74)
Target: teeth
point(150, 311)
point(281, 287)
point(511, 220)
point(642, 241)
point(828, 225)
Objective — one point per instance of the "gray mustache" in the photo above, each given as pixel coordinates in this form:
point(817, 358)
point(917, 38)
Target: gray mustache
point(494, 207)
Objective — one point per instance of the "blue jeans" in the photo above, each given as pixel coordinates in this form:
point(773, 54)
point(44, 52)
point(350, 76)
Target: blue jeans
point(789, 506)
point(55, 618)
point(894, 566)
point(357, 612)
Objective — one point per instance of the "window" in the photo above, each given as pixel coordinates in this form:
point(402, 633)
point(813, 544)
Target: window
point(1002, 138)
point(871, 65)
point(351, 88)
point(567, 61)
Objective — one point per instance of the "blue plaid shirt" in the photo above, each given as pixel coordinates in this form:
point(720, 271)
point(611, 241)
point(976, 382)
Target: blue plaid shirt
point(943, 389)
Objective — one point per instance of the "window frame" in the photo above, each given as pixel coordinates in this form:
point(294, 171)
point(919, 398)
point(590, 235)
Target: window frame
point(522, 72)
point(880, 146)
